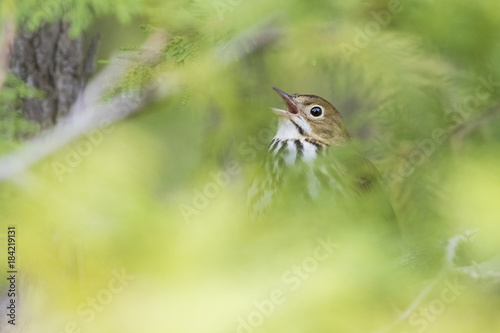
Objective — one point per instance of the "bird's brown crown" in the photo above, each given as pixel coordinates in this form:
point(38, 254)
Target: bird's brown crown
point(315, 117)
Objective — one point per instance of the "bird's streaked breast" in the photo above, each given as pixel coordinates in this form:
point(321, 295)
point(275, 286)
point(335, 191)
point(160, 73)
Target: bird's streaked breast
point(288, 147)
point(291, 150)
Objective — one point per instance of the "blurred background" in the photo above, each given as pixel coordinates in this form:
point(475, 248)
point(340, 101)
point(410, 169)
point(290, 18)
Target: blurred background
point(130, 132)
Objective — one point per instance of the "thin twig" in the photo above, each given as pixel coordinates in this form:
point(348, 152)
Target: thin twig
point(451, 254)
point(422, 295)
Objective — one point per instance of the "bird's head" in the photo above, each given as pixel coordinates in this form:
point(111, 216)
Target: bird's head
point(312, 117)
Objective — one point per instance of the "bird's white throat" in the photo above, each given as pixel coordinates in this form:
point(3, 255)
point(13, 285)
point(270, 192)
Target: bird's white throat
point(291, 129)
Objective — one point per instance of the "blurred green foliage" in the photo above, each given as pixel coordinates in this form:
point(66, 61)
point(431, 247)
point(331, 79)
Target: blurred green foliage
point(418, 84)
point(13, 127)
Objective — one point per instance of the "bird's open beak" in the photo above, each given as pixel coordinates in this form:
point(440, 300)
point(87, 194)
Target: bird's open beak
point(291, 108)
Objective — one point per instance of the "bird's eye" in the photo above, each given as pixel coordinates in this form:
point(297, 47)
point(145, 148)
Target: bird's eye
point(316, 111)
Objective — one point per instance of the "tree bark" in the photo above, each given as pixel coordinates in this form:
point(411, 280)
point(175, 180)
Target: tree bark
point(49, 60)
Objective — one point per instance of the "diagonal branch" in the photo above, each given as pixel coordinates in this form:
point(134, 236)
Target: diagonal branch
point(89, 112)
point(461, 131)
point(86, 114)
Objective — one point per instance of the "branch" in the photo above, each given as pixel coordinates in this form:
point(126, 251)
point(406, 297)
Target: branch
point(86, 114)
point(451, 253)
point(248, 41)
point(461, 131)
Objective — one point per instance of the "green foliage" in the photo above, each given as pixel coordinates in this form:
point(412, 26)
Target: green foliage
point(133, 82)
point(13, 126)
point(32, 13)
point(181, 49)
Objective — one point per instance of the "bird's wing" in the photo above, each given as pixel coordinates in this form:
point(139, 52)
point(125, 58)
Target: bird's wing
point(360, 178)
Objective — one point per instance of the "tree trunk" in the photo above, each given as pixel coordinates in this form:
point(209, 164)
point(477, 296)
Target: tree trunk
point(49, 60)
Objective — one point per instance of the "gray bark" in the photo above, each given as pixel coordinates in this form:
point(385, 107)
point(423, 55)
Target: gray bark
point(49, 60)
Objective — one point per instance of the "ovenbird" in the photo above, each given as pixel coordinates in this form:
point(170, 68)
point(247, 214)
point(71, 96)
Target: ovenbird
point(311, 132)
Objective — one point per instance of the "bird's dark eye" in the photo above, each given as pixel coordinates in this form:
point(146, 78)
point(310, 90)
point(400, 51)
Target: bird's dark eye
point(316, 111)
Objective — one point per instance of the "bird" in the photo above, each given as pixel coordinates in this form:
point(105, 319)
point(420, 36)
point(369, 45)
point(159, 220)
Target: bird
point(312, 140)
